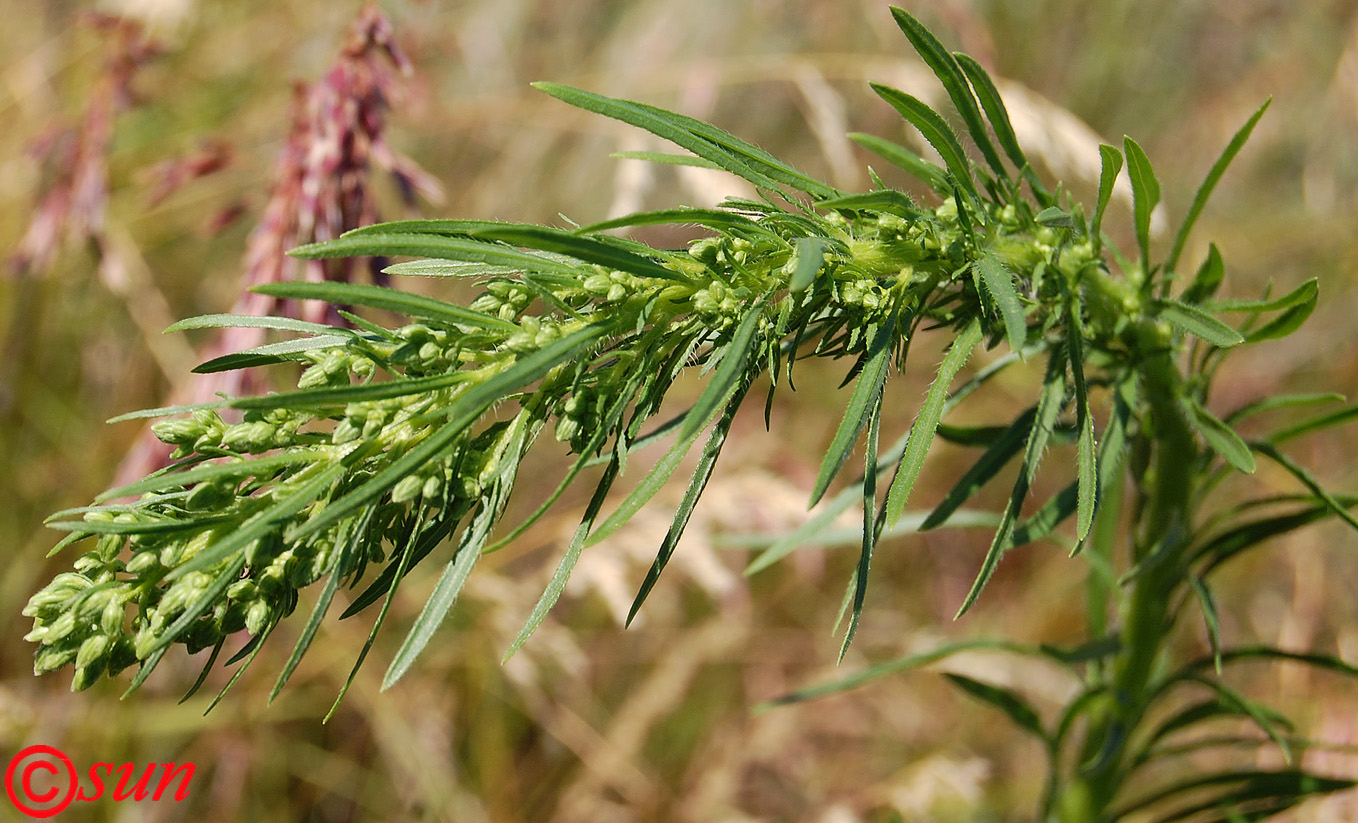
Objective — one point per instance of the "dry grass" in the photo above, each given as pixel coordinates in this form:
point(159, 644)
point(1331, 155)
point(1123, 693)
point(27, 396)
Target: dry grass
point(590, 722)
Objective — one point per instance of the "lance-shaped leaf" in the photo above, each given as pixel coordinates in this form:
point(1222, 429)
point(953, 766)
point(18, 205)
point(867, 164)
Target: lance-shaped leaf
point(1221, 437)
point(721, 387)
point(380, 297)
point(707, 461)
point(867, 392)
point(1108, 177)
point(552, 593)
point(725, 150)
point(810, 259)
point(998, 114)
point(882, 200)
point(998, 283)
point(1207, 279)
point(449, 586)
point(935, 130)
point(922, 432)
point(871, 525)
point(1049, 408)
point(1001, 451)
point(437, 246)
point(950, 75)
point(1213, 177)
point(1086, 471)
point(1145, 196)
point(1014, 706)
point(919, 168)
point(1199, 323)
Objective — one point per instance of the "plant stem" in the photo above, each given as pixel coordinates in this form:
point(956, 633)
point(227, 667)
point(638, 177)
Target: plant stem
point(1159, 540)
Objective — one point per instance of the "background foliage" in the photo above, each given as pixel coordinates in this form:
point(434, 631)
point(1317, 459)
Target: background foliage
point(590, 722)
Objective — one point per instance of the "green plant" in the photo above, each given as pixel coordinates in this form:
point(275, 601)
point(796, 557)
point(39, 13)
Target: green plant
point(399, 439)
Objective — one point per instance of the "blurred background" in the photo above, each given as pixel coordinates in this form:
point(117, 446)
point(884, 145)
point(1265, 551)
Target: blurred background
point(140, 149)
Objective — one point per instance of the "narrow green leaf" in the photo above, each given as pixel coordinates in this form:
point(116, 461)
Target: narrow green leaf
point(810, 259)
point(587, 249)
point(922, 432)
point(439, 247)
point(932, 176)
point(1087, 478)
point(845, 500)
point(1221, 437)
point(1049, 407)
point(168, 411)
point(449, 586)
point(1305, 293)
point(426, 267)
point(1108, 177)
point(667, 159)
point(1283, 401)
point(347, 544)
point(1232, 542)
point(935, 130)
point(250, 321)
point(999, 284)
point(867, 392)
point(561, 575)
point(1254, 795)
point(702, 473)
point(870, 527)
point(722, 385)
point(1199, 323)
point(727, 375)
point(723, 149)
point(989, 464)
point(399, 570)
point(998, 115)
point(1284, 324)
point(950, 75)
point(1208, 279)
point(903, 664)
point(1325, 421)
point(1209, 616)
point(721, 219)
point(234, 467)
point(1014, 706)
point(379, 297)
point(1145, 196)
point(270, 353)
point(1340, 510)
point(889, 201)
point(1213, 177)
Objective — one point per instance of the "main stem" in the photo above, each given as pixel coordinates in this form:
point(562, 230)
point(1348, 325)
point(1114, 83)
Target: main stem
point(1159, 539)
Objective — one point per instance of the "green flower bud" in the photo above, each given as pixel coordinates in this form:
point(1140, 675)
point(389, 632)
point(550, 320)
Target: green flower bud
point(84, 678)
point(111, 619)
point(257, 617)
point(92, 650)
point(143, 563)
point(250, 438)
point(179, 432)
point(407, 489)
point(50, 658)
point(59, 628)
